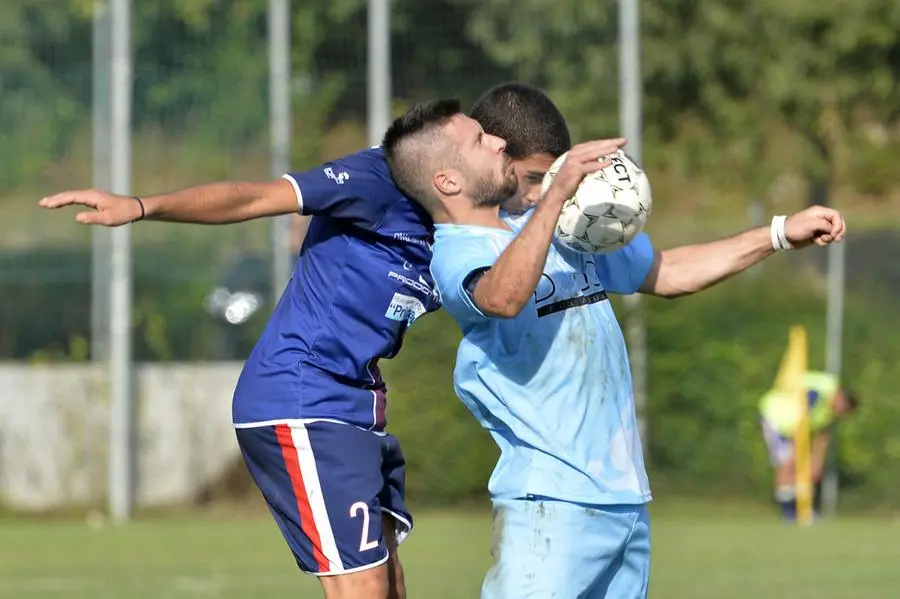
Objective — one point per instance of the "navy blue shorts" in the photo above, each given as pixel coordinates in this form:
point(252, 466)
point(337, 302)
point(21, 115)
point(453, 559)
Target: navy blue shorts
point(328, 485)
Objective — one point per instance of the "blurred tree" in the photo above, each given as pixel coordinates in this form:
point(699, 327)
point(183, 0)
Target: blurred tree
point(37, 112)
point(822, 69)
point(719, 75)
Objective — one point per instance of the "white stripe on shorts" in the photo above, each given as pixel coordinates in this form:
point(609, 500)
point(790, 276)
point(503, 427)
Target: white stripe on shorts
point(314, 496)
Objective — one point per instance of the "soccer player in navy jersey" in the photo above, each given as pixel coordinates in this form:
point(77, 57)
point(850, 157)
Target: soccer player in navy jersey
point(309, 407)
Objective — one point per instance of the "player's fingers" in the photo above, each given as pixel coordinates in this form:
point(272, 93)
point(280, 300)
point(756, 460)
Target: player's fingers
point(581, 169)
point(591, 147)
point(91, 218)
point(835, 227)
point(829, 226)
point(56, 201)
point(592, 150)
point(68, 198)
point(836, 219)
point(595, 165)
point(839, 229)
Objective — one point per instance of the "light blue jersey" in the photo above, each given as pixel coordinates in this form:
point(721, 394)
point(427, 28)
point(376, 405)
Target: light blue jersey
point(552, 385)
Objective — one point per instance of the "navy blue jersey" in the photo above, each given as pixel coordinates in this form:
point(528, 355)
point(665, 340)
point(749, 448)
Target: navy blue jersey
point(361, 280)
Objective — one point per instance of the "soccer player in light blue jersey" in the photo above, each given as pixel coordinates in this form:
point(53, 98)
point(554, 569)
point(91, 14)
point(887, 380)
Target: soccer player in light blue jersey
point(543, 364)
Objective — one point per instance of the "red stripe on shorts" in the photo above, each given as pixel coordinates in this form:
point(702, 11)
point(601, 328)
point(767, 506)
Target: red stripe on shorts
point(307, 522)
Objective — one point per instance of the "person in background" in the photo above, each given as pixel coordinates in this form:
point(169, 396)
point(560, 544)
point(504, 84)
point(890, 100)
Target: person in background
point(828, 402)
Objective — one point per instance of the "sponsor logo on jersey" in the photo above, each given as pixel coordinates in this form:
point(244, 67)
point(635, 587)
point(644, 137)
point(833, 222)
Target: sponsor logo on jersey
point(404, 308)
point(339, 177)
point(421, 285)
point(560, 294)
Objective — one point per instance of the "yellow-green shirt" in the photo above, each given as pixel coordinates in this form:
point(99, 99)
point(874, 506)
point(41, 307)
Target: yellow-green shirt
point(782, 413)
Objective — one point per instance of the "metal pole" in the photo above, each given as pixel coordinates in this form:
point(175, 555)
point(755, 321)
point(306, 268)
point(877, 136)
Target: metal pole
point(121, 425)
point(833, 361)
point(379, 70)
point(630, 117)
point(280, 133)
point(100, 236)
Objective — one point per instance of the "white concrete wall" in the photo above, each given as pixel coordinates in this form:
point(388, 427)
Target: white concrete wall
point(54, 432)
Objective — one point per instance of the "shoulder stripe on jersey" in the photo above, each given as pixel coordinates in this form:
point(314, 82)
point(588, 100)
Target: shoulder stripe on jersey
point(297, 191)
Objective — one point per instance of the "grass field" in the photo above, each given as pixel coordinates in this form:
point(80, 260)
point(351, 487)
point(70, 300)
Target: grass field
point(699, 552)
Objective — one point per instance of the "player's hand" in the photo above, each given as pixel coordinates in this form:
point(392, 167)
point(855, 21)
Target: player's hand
point(582, 160)
point(816, 224)
point(109, 209)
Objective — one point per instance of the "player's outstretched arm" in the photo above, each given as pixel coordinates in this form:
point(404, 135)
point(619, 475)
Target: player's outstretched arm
point(692, 268)
point(509, 284)
point(211, 203)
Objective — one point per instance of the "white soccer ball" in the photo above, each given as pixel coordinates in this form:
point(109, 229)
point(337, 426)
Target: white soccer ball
point(611, 206)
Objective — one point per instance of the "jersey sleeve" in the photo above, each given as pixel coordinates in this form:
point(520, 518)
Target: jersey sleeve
point(625, 270)
point(357, 188)
point(456, 260)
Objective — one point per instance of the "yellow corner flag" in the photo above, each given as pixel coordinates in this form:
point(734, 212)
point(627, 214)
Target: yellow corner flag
point(790, 379)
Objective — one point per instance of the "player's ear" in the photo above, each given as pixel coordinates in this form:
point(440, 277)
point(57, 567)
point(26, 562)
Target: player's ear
point(448, 182)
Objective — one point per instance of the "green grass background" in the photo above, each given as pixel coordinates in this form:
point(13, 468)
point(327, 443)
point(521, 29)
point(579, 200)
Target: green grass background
point(699, 551)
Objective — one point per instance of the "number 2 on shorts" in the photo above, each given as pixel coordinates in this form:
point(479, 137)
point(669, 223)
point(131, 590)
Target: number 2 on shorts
point(364, 544)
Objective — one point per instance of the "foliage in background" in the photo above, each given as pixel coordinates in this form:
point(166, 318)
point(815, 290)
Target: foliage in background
point(828, 72)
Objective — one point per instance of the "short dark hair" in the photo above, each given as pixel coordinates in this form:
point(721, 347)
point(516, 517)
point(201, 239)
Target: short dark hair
point(852, 399)
point(412, 148)
point(525, 118)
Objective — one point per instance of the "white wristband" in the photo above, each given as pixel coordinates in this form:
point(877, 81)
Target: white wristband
point(776, 232)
